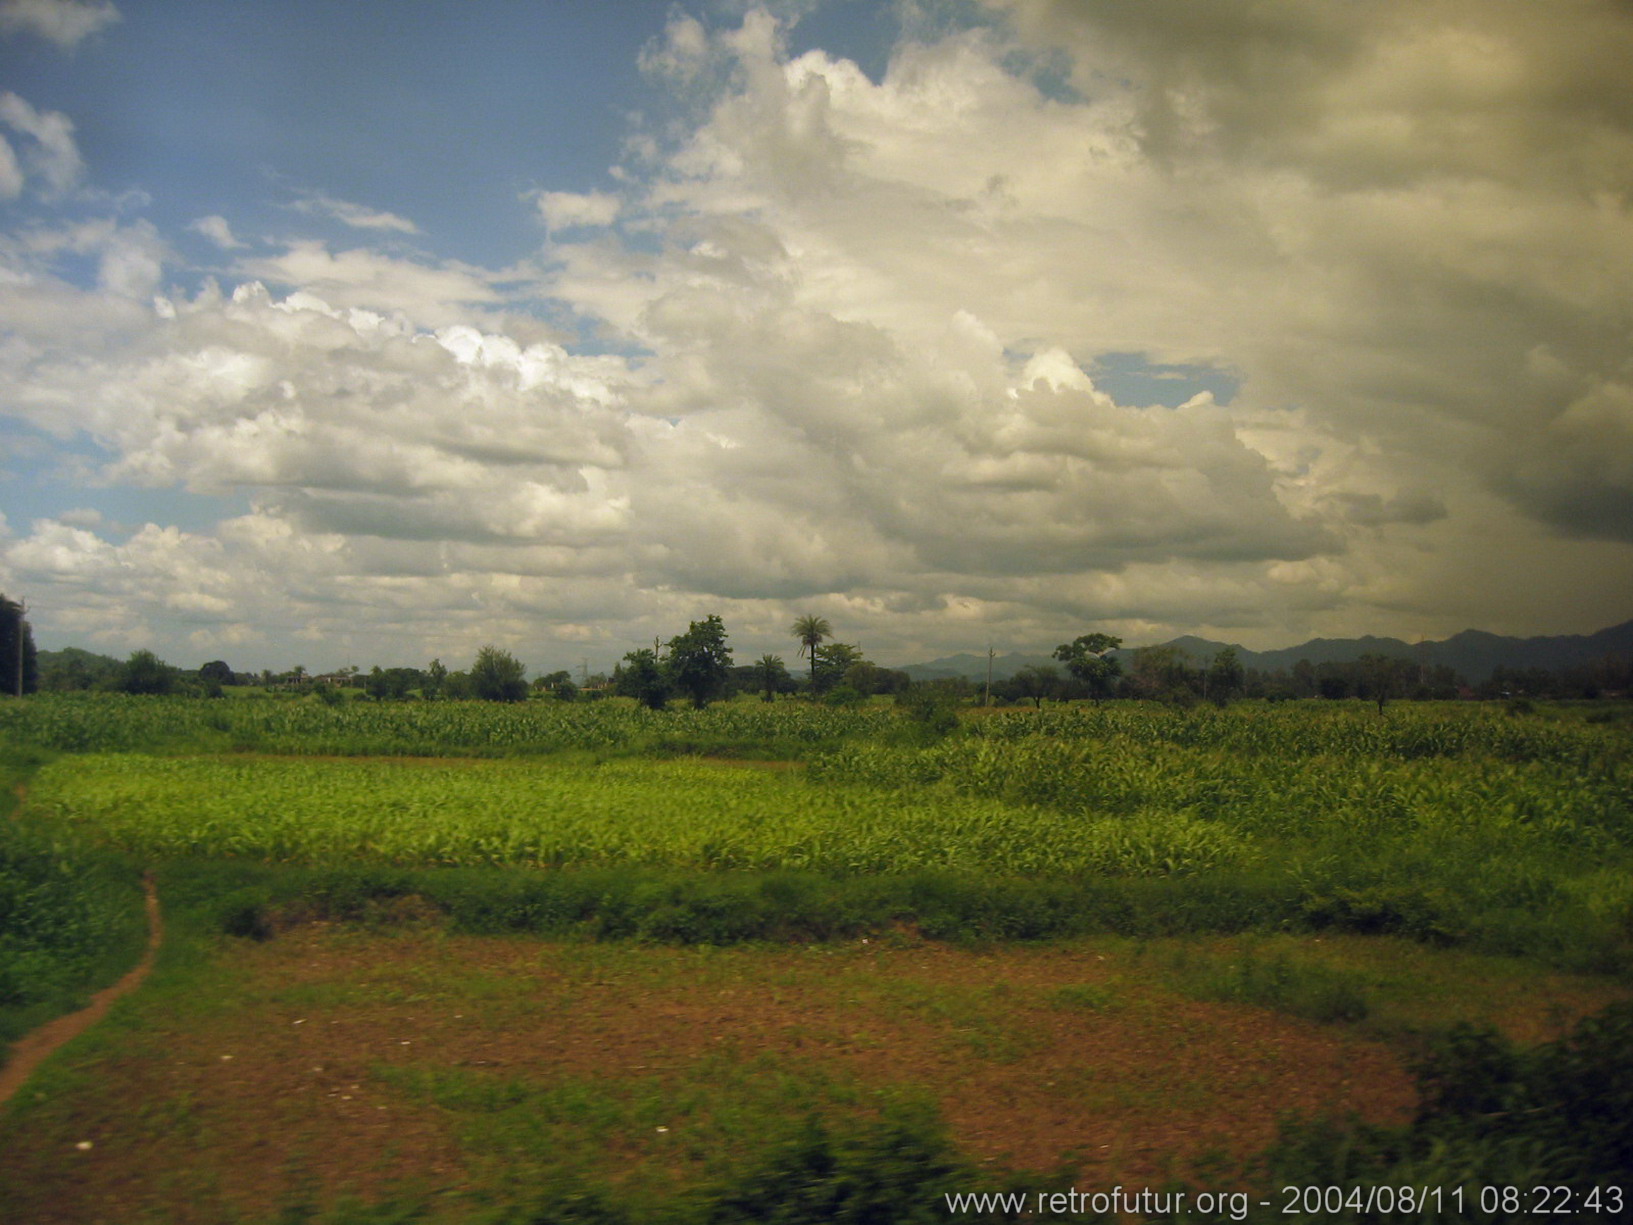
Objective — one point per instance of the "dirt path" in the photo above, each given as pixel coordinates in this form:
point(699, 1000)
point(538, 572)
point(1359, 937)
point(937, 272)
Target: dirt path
point(34, 1049)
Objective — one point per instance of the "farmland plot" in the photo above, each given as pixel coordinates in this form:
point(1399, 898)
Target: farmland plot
point(549, 814)
point(441, 823)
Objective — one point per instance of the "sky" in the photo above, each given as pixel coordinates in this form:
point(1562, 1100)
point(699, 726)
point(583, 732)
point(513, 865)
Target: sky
point(368, 333)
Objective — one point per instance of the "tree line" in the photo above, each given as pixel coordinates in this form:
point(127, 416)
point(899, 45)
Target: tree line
point(1170, 675)
point(697, 666)
point(494, 674)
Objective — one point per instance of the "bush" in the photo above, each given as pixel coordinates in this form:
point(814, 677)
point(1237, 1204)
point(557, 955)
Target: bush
point(1409, 910)
point(146, 673)
point(1490, 1116)
point(897, 1170)
point(70, 920)
point(931, 713)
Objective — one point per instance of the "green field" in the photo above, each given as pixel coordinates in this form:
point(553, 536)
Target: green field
point(1463, 826)
point(1459, 830)
point(685, 813)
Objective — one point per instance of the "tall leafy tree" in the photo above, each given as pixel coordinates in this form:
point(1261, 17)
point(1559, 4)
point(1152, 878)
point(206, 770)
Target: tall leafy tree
point(643, 677)
point(216, 672)
point(383, 683)
point(868, 678)
point(19, 664)
point(1086, 658)
point(1225, 676)
point(811, 630)
point(497, 676)
point(1034, 683)
point(72, 668)
point(700, 661)
point(558, 684)
point(1383, 677)
point(832, 662)
point(1164, 673)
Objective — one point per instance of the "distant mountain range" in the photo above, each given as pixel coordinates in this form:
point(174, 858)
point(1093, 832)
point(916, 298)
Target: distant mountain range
point(1473, 654)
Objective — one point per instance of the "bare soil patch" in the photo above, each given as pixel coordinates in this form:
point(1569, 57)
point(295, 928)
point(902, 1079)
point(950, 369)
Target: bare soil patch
point(294, 1084)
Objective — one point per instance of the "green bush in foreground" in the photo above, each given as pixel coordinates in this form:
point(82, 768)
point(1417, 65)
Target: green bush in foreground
point(1551, 1120)
point(675, 906)
point(71, 920)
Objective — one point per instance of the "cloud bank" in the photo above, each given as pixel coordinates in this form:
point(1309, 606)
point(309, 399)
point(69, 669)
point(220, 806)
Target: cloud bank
point(831, 347)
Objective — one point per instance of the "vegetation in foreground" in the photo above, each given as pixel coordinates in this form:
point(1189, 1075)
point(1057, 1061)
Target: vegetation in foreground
point(1473, 828)
point(468, 1081)
point(71, 915)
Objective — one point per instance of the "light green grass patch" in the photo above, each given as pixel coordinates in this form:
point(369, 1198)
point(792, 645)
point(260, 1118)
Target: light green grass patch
point(550, 813)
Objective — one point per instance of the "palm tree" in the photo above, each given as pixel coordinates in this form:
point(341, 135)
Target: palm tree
point(811, 630)
point(771, 671)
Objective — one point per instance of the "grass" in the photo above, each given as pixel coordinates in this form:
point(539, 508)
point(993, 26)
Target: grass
point(633, 1137)
point(1392, 989)
point(71, 917)
point(1374, 880)
point(1451, 825)
point(1298, 986)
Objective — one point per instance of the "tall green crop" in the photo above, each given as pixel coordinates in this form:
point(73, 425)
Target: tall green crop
point(552, 813)
point(101, 722)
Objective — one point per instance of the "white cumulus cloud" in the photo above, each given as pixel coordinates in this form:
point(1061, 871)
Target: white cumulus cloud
point(563, 210)
point(216, 229)
point(51, 153)
point(64, 22)
point(857, 352)
point(11, 174)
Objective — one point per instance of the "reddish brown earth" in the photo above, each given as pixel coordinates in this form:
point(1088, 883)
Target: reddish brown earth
point(261, 1099)
point(296, 1086)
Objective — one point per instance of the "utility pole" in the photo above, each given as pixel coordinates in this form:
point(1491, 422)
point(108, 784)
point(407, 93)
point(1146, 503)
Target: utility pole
point(986, 698)
point(22, 611)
